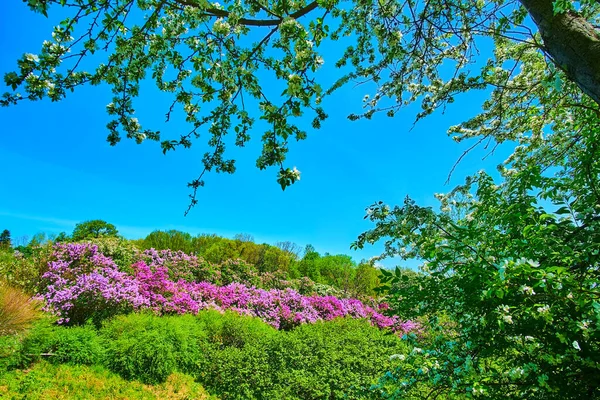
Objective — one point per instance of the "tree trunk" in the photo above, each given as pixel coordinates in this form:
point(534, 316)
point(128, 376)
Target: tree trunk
point(572, 43)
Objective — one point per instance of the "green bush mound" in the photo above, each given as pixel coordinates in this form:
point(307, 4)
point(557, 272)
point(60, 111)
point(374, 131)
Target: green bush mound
point(232, 356)
point(327, 360)
point(150, 348)
point(79, 345)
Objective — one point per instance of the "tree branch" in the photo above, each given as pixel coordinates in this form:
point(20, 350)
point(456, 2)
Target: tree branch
point(215, 12)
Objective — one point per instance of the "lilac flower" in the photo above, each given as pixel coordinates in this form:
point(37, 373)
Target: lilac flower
point(81, 281)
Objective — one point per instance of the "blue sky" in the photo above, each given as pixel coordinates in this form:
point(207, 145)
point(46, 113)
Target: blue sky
point(58, 168)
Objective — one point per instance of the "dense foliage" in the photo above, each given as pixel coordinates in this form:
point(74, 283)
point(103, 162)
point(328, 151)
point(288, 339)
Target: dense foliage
point(338, 271)
point(232, 356)
point(514, 262)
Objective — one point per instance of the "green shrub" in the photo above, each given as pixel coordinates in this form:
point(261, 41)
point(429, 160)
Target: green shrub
point(230, 329)
point(237, 361)
point(121, 251)
point(77, 345)
point(150, 348)
point(10, 352)
point(332, 359)
point(24, 271)
point(59, 344)
point(235, 357)
point(241, 373)
point(328, 360)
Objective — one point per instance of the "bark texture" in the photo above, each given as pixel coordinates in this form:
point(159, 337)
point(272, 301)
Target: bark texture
point(572, 42)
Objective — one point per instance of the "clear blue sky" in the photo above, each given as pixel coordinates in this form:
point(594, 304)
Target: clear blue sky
point(58, 168)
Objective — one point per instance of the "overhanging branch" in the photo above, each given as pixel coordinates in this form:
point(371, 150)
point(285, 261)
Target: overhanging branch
point(215, 12)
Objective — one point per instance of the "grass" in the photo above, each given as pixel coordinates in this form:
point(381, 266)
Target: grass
point(61, 382)
point(17, 310)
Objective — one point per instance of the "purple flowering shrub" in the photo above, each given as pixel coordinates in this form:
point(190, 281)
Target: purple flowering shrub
point(179, 265)
point(83, 283)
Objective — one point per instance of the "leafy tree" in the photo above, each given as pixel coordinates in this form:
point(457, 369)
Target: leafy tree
point(61, 237)
point(366, 279)
point(308, 265)
point(337, 270)
point(94, 229)
point(172, 240)
point(5, 241)
point(518, 274)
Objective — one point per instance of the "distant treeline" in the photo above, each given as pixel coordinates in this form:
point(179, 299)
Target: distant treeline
point(285, 259)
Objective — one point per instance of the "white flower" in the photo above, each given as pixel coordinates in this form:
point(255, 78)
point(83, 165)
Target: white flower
point(32, 57)
point(400, 357)
point(417, 350)
point(576, 345)
point(544, 309)
point(570, 296)
point(507, 319)
point(527, 290)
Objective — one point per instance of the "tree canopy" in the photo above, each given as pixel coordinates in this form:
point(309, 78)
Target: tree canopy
point(216, 60)
point(94, 229)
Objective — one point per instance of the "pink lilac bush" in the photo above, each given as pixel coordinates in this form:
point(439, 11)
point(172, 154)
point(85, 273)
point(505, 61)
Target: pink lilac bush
point(81, 283)
point(81, 280)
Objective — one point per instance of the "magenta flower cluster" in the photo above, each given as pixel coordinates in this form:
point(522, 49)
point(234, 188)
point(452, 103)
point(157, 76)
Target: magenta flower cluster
point(81, 279)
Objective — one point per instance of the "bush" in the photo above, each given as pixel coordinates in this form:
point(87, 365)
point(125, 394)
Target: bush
point(24, 271)
point(230, 329)
point(331, 359)
point(77, 345)
point(235, 357)
point(84, 284)
point(10, 352)
point(121, 251)
point(326, 360)
point(150, 348)
point(17, 310)
point(74, 345)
